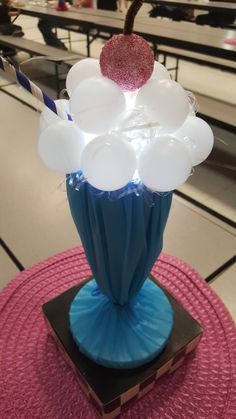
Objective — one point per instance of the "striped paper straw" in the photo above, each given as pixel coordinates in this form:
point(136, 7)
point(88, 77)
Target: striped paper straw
point(32, 88)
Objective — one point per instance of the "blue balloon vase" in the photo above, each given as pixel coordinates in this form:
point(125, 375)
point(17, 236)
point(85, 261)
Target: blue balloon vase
point(120, 318)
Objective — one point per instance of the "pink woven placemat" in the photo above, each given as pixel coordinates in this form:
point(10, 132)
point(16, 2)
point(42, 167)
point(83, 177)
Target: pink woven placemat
point(35, 381)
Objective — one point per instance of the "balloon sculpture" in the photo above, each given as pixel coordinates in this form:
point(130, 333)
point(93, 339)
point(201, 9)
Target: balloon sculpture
point(133, 138)
point(156, 126)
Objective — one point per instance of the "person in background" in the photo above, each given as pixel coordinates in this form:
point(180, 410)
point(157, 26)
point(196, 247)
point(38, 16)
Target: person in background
point(46, 27)
point(216, 19)
point(7, 11)
point(172, 12)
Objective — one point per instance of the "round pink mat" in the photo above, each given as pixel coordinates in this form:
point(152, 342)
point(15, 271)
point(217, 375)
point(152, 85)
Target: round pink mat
point(36, 382)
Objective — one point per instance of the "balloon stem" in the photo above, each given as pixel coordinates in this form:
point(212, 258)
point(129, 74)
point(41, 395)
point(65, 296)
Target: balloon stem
point(130, 16)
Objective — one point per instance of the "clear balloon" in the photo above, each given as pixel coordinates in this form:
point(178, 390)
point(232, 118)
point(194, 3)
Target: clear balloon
point(193, 104)
point(160, 72)
point(108, 162)
point(137, 129)
point(198, 137)
point(48, 117)
point(166, 102)
point(83, 69)
point(60, 147)
point(164, 165)
point(97, 105)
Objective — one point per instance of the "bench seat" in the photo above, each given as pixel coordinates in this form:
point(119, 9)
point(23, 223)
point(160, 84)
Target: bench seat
point(195, 57)
point(35, 48)
point(52, 54)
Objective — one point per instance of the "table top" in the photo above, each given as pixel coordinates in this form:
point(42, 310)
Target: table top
point(220, 6)
point(184, 35)
point(36, 382)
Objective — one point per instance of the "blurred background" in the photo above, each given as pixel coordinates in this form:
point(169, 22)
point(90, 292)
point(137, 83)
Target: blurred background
point(35, 221)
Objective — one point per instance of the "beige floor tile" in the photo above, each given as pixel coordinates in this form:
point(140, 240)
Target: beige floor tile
point(213, 190)
point(217, 84)
point(200, 240)
point(214, 182)
point(23, 95)
point(8, 269)
point(225, 287)
point(224, 202)
point(217, 182)
point(27, 22)
point(34, 217)
point(217, 108)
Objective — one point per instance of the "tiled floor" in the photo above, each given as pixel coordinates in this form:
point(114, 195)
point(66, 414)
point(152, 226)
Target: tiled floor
point(34, 217)
point(8, 269)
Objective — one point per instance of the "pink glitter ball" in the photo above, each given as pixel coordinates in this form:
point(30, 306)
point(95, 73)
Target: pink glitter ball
point(127, 60)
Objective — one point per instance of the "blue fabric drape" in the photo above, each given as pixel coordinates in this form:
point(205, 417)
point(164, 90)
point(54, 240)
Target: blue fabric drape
point(118, 336)
point(122, 237)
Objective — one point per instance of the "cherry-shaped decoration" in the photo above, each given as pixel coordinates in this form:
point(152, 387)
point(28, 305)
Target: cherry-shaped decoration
point(127, 59)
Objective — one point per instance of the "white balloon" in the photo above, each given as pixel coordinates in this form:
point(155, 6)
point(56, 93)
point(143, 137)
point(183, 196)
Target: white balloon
point(60, 147)
point(97, 104)
point(83, 69)
point(48, 117)
point(164, 165)
point(108, 162)
point(198, 137)
point(160, 72)
point(166, 102)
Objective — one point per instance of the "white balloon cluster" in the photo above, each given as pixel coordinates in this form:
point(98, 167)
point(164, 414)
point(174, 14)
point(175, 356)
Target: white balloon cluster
point(114, 137)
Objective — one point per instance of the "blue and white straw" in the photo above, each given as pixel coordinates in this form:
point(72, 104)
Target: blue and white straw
point(32, 88)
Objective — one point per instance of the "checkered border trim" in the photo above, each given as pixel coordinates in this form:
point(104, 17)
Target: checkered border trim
point(116, 406)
